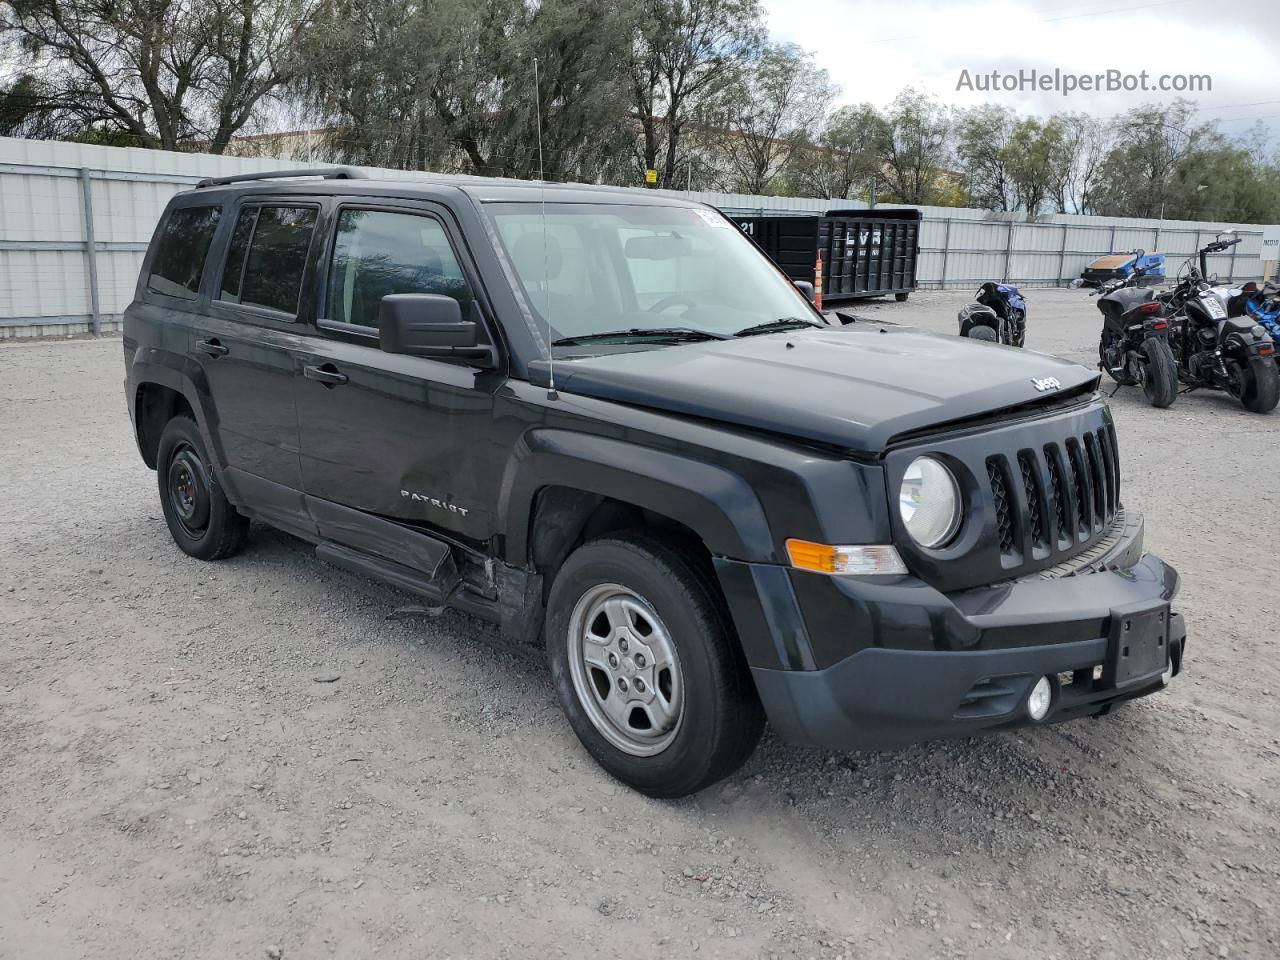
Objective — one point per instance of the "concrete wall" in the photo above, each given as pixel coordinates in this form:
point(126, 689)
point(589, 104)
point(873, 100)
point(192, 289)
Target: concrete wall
point(75, 221)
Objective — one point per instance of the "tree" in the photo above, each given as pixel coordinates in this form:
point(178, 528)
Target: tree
point(912, 141)
point(684, 53)
point(1151, 141)
point(166, 72)
point(982, 147)
point(451, 84)
point(840, 158)
point(1082, 145)
point(767, 113)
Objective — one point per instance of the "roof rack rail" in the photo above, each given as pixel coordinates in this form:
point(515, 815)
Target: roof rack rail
point(325, 173)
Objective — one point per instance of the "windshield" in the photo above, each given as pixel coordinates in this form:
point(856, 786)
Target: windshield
point(616, 267)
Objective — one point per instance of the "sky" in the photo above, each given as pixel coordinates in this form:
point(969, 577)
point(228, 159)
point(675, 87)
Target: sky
point(872, 49)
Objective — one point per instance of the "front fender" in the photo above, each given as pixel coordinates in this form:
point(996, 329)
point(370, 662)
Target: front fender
point(719, 506)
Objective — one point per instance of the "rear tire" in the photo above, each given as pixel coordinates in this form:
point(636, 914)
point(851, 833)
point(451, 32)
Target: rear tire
point(621, 608)
point(1260, 385)
point(201, 520)
point(901, 297)
point(982, 332)
point(1160, 374)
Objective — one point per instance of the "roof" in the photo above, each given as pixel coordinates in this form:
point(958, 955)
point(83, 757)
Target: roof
point(436, 186)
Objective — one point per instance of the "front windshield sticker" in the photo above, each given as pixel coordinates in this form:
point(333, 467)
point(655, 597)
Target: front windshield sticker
point(713, 219)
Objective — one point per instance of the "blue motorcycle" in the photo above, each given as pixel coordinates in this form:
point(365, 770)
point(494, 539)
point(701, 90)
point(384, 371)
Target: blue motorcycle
point(1263, 308)
point(997, 315)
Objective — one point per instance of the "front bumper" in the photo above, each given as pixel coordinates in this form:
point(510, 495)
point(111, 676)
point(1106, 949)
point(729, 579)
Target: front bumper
point(937, 665)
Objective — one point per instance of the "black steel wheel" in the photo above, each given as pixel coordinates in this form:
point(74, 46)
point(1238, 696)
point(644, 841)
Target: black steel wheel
point(201, 520)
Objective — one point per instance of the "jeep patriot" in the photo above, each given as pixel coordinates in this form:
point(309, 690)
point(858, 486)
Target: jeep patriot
point(605, 421)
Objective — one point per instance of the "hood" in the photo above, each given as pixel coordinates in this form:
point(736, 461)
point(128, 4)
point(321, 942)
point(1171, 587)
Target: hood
point(855, 387)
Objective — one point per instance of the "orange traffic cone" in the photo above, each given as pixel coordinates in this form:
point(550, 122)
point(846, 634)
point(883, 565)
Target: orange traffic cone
point(817, 282)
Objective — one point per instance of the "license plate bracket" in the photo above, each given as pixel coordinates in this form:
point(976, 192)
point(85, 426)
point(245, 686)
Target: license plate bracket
point(1138, 645)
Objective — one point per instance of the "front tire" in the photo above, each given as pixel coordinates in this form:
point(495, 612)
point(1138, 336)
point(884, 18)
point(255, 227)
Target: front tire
point(201, 520)
point(1259, 385)
point(1160, 373)
point(647, 668)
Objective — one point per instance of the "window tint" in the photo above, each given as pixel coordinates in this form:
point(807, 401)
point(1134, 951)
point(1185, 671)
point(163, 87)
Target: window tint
point(267, 256)
point(181, 250)
point(377, 253)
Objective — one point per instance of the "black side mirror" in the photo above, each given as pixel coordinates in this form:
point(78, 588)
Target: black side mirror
point(429, 325)
point(805, 287)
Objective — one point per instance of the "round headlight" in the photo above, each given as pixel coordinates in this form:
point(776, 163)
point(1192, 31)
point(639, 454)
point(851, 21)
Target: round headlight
point(929, 502)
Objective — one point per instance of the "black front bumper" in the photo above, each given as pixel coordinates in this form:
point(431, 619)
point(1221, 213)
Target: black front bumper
point(962, 664)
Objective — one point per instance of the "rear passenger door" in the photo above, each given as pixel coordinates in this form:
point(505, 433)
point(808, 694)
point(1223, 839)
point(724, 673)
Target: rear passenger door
point(403, 438)
point(246, 346)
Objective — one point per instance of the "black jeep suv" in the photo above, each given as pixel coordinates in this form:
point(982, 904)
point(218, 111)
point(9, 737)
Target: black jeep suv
point(606, 419)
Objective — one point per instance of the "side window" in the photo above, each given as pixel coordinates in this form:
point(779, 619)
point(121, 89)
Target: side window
point(181, 249)
point(376, 253)
point(267, 257)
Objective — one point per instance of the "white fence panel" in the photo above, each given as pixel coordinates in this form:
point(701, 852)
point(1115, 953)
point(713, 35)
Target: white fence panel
point(46, 260)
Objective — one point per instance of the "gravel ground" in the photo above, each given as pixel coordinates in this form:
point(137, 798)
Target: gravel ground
point(250, 759)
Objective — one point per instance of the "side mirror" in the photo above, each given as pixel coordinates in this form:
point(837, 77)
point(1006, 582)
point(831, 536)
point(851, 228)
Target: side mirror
point(805, 287)
point(428, 325)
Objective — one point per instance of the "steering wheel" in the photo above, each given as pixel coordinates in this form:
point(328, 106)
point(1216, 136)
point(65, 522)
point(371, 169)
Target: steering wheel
point(675, 300)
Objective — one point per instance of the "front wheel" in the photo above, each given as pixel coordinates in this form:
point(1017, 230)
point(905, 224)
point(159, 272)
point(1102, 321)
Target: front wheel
point(1159, 373)
point(1259, 385)
point(647, 668)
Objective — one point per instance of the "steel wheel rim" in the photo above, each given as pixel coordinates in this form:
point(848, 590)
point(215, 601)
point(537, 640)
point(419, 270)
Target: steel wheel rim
point(188, 490)
point(625, 669)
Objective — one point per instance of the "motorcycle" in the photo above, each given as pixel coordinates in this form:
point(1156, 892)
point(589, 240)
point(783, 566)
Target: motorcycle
point(997, 315)
point(1213, 349)
point(1133, 348)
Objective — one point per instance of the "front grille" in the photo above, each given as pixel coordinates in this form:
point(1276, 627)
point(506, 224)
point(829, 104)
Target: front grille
point(1069, 494)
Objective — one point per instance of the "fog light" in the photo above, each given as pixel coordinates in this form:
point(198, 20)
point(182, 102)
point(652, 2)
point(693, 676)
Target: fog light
point(1041, 697)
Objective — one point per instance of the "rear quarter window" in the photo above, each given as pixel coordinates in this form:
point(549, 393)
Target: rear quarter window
point(181, 249)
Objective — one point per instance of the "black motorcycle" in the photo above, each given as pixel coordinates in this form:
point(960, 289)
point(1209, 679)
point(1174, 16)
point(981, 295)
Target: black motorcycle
point(1215, 350)
point(998, 315)
point(1134, 346)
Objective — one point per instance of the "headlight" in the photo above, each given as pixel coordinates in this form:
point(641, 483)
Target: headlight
point(929, 502)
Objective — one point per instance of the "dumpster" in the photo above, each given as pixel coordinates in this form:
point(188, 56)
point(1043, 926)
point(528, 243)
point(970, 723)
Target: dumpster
point(865, 253)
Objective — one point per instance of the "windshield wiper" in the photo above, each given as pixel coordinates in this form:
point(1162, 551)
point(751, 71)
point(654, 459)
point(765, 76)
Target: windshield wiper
point(774, 326)
point(677, 334)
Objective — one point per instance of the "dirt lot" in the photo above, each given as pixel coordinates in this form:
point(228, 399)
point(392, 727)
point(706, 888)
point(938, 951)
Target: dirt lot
point(249, 759)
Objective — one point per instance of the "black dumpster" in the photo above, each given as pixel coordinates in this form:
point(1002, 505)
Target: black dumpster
point(865, 253)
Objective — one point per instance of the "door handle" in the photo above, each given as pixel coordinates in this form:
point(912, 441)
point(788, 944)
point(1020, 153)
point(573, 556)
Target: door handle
point(212, 347)
point(327, 374)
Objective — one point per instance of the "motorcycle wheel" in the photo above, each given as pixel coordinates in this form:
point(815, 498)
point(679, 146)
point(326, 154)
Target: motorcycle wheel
point(1259, 385)
point(982, 332)
point(1159, 374)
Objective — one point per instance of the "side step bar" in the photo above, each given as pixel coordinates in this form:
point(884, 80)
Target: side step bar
point(448, 589)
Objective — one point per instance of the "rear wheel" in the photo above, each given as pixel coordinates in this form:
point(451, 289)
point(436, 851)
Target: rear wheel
point(901, 297)
point(201, 520)
point(647, 668)
point(1258, 387)
point(1159, 373)
point(981, 331)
